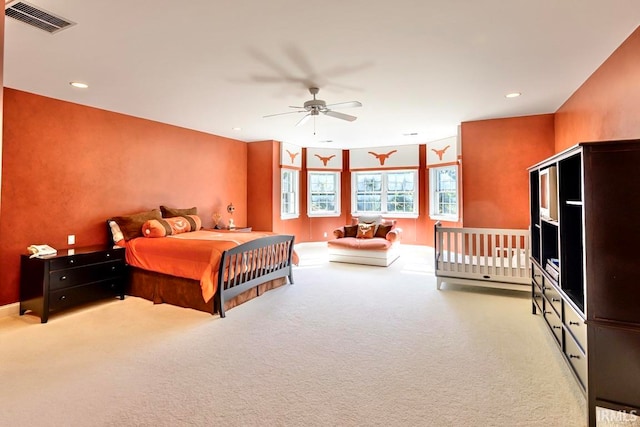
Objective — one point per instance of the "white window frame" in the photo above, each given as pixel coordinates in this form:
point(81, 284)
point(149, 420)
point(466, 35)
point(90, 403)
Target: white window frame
point(435, 208)
point(384, 193)
point(336, 194)
point(292, 191)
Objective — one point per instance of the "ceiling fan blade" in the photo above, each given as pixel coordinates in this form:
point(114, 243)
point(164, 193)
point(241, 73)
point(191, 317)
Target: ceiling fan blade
point(350, 104)
point(288, 112)
point(303, 120)
point(342, 116)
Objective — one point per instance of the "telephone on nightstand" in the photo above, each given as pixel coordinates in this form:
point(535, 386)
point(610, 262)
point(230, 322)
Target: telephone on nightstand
point(41, 250)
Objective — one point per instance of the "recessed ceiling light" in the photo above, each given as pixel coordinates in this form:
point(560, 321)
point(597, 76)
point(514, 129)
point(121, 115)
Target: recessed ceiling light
point(513, 95)
point(79, 85)
point(236, 128)
point(326, 141)
point(410, 134)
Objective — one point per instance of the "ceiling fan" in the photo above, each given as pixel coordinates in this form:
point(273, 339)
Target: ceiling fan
point(315, 106)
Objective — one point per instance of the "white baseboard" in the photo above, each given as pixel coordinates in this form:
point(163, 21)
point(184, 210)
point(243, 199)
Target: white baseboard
point(9, 309)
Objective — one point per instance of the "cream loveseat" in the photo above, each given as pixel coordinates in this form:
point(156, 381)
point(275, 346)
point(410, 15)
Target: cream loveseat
point(368, 240)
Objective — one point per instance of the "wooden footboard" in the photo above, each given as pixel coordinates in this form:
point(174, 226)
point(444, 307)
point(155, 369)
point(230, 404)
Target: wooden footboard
point(483, 257)
point(248, 265)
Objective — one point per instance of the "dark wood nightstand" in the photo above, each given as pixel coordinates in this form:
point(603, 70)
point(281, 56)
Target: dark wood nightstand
point(69, 278)
point(235, 230)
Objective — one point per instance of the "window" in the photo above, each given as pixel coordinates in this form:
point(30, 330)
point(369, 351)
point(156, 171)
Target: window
point(386, 192)
point(324, 194)
point(289, 193)
point(443, 183)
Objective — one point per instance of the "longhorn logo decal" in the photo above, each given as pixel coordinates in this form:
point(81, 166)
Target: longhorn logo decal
point(382, 157)
point(325, 160)
point(440, 153)
point(292, 155)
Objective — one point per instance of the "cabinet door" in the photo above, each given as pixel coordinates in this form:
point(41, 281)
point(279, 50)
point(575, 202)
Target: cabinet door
point(614, 364)
point(612, 212)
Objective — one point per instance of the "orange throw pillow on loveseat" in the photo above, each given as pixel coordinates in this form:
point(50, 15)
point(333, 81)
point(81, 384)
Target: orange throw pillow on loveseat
point(366, 231)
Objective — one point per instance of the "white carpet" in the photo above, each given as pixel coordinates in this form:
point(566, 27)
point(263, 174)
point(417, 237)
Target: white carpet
point(345, 345)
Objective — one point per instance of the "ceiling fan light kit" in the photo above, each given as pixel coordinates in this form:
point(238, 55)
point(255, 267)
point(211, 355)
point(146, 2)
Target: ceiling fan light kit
point(314, 107)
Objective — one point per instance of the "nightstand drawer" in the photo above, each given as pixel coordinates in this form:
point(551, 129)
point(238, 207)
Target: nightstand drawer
point(82, 259)
point(60, 279)
point(70, 297)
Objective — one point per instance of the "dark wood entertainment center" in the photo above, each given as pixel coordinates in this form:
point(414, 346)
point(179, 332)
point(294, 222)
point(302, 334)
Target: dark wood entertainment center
point(590, 300)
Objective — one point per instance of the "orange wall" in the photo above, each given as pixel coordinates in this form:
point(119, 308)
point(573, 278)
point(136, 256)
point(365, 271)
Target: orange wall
point(1, 97)
point(260, 185)
point(67, 168)
point(495, 157)
point(606, 106)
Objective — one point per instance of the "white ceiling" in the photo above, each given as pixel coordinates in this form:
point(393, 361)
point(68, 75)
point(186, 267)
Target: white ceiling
point(417, 66)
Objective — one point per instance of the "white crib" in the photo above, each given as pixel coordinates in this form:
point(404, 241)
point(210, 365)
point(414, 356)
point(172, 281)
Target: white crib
point(497, 258)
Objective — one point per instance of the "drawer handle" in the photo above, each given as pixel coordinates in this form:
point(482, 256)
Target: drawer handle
point(62, 297)
point(556, 327)
point(555, 300)
point(63, 278)
point(573, 356)
point(113, 268)
point(108, 255)
point(574, 323)
point(71, 261)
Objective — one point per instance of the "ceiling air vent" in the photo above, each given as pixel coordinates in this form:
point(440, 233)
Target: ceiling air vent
point(36, 17)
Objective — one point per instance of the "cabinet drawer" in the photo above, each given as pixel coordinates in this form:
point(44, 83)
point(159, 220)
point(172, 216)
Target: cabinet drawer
point(575, 324)
point(537, 275)
point(553, 296)
point(537, 295)
point(70, 297)
point(576, 358)
point(554, 321)
point(60, 279)
point(86, 259)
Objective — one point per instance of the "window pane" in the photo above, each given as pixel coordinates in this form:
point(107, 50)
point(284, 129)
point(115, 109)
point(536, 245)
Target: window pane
point(323, 192)
point(369, 182)
point(445, 191)
point(388, 191)
point(289, 192)
point(368, 202)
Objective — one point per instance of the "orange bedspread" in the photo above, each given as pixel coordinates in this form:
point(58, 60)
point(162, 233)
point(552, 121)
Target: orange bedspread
point(193, 255)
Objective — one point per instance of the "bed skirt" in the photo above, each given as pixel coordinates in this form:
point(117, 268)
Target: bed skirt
point(161, 288)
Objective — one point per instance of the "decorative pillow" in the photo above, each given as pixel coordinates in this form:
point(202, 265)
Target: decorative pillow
point(131, 225)
point(373, 219)
point(365, 231)
point(382, 230)
point(172, 212)
point(116, 233)
point(194, 221)
point(350, 230)
point(166, 227)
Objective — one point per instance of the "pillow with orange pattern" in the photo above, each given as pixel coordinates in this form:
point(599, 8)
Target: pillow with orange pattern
point(365, 231)
point(170, 226)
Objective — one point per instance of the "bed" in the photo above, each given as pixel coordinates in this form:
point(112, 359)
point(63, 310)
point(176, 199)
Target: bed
point(497, 258)
point(207, 270)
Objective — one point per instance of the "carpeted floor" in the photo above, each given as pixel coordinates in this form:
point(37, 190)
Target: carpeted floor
point(346, 345)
